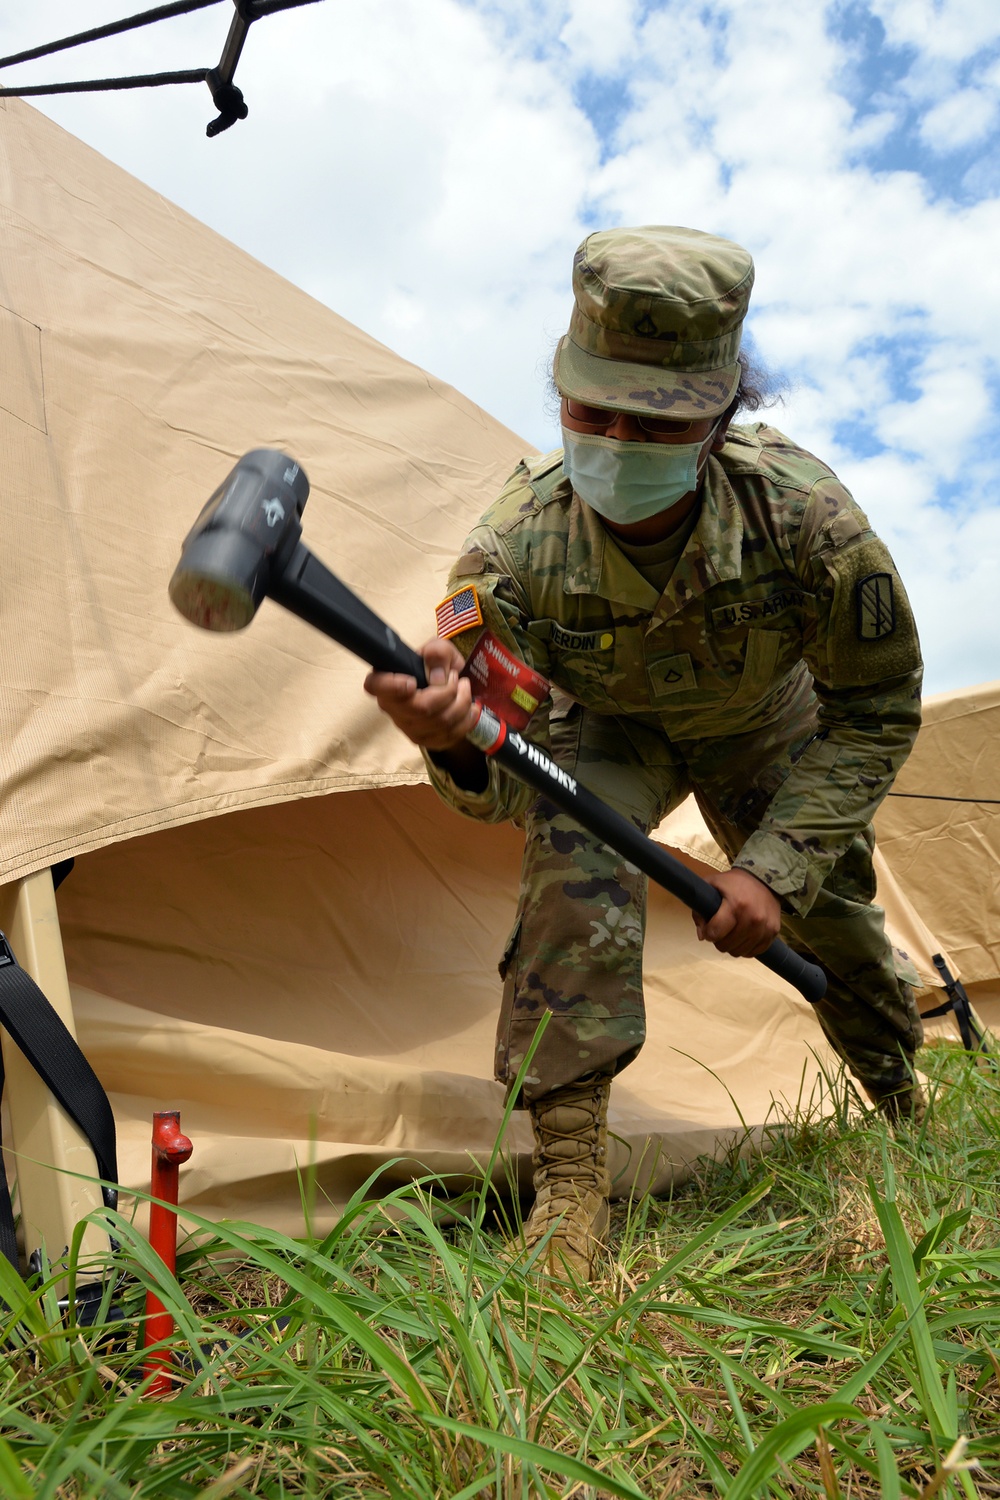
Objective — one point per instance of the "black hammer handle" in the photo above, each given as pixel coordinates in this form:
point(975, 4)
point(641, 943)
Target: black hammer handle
point(308, 589)
point(529, 763)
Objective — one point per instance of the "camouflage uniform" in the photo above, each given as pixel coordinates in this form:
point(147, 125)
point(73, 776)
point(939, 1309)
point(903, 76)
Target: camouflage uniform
point(777, 677)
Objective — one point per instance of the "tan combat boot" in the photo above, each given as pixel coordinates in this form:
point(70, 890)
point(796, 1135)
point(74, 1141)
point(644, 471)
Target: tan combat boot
point(571, 1178)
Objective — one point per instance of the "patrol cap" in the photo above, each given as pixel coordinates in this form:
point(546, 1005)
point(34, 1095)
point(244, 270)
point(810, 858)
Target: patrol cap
point(656, 323)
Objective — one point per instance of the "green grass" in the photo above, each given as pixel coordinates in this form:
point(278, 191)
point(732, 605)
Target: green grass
point(820, 1318)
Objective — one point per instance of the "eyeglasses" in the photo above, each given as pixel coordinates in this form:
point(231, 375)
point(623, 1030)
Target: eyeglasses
point(602, 419)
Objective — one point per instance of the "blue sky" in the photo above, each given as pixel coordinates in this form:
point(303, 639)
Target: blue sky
point(943, 112)
point(426, 167)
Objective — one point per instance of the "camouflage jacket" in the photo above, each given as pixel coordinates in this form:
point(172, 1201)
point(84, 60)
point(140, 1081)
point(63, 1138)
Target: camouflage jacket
point(784, 616)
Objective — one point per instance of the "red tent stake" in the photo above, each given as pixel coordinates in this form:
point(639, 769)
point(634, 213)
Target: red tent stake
point(170, 1148)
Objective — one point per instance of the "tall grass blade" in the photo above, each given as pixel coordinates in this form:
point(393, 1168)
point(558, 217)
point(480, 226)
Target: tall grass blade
point(785, 1442)
point(542, 1458)
point(941, 1412)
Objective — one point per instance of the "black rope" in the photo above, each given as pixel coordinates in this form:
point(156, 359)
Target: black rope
point(938, 797)
point(97, 85)
point(257, 8)
point(226, 96)
point(113, 28)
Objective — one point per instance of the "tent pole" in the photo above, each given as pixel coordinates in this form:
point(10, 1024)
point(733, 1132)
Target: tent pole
point(48, 1145)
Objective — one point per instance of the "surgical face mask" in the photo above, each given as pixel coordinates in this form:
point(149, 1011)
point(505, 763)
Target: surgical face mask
point(627, 482)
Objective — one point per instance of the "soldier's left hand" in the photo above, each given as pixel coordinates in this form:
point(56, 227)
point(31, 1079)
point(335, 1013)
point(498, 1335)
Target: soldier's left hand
point(749, 918)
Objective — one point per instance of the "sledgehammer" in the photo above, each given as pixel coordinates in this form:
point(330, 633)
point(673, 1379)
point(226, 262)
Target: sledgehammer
point(247, 546)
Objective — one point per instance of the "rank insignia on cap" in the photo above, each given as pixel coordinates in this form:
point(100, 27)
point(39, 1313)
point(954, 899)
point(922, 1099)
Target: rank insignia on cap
point(460, 611)
point(876, 607)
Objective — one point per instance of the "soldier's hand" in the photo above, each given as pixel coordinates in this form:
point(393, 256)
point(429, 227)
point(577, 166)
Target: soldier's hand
point(436, 717)
point(749, 918)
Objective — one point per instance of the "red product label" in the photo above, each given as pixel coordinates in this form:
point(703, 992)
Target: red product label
point(504, 683)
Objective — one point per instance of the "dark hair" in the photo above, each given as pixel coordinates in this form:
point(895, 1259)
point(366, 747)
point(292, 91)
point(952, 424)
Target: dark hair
point(758, 387)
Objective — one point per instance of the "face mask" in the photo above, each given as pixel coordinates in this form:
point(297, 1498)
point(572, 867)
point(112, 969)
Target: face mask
point(628, 482)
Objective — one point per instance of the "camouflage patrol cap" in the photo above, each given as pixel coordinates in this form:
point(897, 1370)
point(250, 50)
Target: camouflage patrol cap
point(657, 321)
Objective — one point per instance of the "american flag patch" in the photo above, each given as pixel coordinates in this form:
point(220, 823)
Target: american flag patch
point(460, 611)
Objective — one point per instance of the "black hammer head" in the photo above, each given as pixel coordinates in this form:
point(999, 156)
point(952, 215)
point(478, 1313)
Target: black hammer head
point(243, 537)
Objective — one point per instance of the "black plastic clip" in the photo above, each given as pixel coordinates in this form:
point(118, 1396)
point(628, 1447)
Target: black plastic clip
point(226, 97)
point(6, 952)
point(228, 100)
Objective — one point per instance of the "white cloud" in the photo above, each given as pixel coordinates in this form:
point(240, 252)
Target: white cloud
point(598, 36)
point(948, 29)
point(962, 118)
point(424, 167)
point(952, 410)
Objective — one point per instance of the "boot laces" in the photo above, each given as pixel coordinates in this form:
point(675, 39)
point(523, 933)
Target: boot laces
point(568, 1135)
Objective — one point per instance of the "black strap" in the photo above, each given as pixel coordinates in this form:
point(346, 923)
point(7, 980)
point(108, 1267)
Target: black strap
point(957, 1001)
point(55, 1056)
point(8, 1239)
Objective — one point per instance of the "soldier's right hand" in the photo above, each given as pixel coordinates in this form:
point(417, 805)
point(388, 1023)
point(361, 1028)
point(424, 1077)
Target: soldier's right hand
point(437, 717)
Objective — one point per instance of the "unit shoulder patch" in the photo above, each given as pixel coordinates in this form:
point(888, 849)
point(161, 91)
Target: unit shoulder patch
point(870, 634)
point(875, 606)
point(460, 611)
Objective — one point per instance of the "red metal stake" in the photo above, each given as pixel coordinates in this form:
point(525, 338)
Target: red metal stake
point(170, 1148)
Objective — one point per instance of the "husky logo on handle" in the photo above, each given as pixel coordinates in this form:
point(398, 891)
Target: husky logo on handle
point(273, 510)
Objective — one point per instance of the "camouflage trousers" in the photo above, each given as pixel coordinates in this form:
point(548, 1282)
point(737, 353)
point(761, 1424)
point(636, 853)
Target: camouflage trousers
point(576, 947)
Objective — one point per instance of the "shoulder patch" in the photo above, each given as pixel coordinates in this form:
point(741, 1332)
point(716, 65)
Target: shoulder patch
point(469, 564)
point(460, 611)
point(875, 606)
point(870, 631)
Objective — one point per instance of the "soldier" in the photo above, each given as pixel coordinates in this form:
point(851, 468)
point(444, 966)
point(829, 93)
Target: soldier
point(716, 615)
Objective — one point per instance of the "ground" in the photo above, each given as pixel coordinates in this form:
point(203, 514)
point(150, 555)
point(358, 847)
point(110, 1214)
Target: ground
point(821, 1317)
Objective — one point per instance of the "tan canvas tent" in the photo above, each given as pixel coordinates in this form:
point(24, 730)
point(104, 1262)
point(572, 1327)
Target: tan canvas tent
point(307, 976)
point(940, 835)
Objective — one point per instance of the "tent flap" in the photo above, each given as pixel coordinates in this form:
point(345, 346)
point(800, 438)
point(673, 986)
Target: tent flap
point(142, 354)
